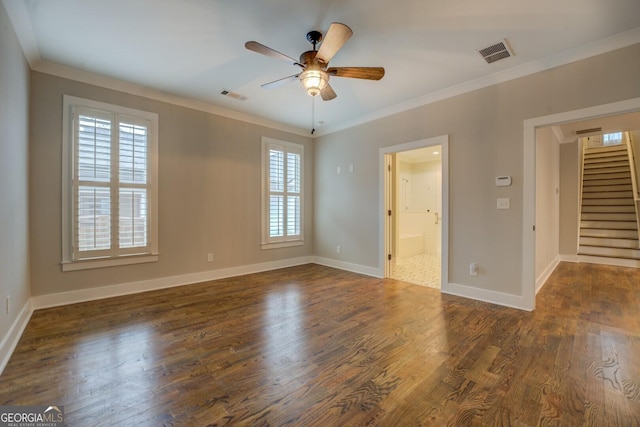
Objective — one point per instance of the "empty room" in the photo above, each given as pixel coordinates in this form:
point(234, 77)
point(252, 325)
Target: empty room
point(319, 213)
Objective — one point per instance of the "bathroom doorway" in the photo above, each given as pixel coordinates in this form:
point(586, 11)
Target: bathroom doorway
point(416, 207)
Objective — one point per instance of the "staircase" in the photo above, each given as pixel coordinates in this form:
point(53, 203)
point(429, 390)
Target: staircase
point(608, 219)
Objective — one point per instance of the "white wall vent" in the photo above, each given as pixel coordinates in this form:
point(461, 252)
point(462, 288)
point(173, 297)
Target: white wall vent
point(586, 131)
point(496, 52)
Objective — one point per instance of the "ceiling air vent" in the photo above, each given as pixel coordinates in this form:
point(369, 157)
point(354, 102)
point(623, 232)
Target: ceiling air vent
point(496, 52)
point(233, 95)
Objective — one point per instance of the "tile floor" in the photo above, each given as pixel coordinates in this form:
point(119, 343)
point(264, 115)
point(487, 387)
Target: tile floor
point(421, 269)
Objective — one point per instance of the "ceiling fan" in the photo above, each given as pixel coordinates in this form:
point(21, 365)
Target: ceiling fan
point(314, 63)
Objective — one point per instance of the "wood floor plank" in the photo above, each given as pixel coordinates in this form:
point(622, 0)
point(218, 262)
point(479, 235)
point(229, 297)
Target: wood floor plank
point(316, 346)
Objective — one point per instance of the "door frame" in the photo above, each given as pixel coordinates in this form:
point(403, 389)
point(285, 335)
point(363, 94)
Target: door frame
point(384, 192)
point(528, 285)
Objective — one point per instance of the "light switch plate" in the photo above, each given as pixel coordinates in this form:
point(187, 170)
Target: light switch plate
point(504, 203)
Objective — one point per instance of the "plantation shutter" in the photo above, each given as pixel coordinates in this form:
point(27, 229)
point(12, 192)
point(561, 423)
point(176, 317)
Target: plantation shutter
point(133, 193)
point(293, 194)
point(92, 178)
point(110, 185)
point(276, 193)
point(284, 205)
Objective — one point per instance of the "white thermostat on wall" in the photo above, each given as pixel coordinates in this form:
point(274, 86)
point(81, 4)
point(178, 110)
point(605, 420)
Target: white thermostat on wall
point(503, 181)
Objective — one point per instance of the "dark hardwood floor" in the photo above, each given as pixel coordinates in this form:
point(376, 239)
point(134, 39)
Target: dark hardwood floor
point(315, 346)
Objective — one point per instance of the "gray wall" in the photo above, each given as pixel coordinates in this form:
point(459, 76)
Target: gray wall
point(209, 190)
point(14, 169)
point(486, 140)
point(569, 194)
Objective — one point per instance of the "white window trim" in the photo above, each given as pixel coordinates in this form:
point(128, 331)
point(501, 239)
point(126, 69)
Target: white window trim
point(286, 241)
point(68, 263)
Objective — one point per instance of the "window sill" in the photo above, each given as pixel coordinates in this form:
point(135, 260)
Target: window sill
point(282, 244)
point(107, 262)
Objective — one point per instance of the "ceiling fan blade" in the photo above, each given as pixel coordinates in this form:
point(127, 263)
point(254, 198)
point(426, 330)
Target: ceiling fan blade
point(369, 73)
point(335, 38)
point(328, 93)
point(267, 51)
point(280, 82)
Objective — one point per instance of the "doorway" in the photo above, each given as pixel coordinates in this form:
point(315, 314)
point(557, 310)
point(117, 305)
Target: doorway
point(415, 225)
point(416, 188)
point(530, 127)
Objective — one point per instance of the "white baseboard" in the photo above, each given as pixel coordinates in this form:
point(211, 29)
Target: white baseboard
point(618, 262)
point(82, 295)
point(542, 278)
point(499, 298)
point(493, 297)
point(10, 341)
point(354, 268)
point(569, 258)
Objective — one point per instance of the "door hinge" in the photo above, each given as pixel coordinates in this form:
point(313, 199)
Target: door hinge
point(389, 257)
point(389, 212)
point(389, 168)
point(534, 228)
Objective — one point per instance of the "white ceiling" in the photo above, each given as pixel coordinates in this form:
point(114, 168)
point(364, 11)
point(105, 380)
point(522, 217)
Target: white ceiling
point(193, 49)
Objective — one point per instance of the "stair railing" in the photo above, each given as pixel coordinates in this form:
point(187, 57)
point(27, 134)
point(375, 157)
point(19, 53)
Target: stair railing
point(634, 181)
point(582, 147)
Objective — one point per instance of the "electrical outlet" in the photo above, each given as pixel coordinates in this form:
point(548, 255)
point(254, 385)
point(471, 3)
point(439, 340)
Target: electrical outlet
point(209, 257)
point(473, 269)
point(337, 249)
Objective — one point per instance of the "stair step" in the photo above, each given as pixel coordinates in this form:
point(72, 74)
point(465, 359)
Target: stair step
point(606, 166)
point(611, 234)
point(618, 169)
point(615, 209)
point(607, 202)
point(605, 149)
point(596, 188)
point(609, 252)
point(604, 176)
point(610, 225)
point(611, 181)
point(609, 243)
point(608, 195)
point(608, 216)
point(596, 160)
point(598, 199)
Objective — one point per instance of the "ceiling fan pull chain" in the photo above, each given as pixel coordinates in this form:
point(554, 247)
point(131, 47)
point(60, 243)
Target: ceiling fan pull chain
point(313, 114)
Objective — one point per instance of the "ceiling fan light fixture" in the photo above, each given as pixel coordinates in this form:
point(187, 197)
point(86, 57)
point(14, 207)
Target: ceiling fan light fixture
point(314, 80)
point(315, 74)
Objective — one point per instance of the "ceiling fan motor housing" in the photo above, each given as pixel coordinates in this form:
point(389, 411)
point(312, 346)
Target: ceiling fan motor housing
point(314, 38)
point(308, 58)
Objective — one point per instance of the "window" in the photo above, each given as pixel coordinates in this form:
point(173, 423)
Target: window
point(282, 193)
point(109, 185)
point(612, 138)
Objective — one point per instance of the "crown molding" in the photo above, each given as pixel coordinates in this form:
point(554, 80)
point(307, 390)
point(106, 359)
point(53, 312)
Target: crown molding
point(589, 50)
point(66, 72)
